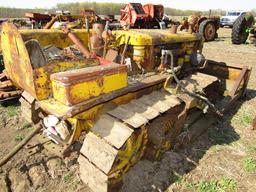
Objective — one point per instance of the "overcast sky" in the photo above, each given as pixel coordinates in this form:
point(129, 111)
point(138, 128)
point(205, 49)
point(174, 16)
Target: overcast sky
point(180, 4)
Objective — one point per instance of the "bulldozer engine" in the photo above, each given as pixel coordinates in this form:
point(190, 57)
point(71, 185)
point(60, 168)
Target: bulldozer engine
point(147, 48)
point(128, 111)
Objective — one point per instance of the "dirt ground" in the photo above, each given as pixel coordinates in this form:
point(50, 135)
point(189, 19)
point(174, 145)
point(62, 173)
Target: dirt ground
point(222, 159)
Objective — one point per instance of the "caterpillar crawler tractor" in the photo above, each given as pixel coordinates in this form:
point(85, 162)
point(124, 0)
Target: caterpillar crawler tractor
point(243, 27)
point(129, 110)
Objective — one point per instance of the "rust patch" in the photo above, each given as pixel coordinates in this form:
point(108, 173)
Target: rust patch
point(87, 74)
point(100, 81)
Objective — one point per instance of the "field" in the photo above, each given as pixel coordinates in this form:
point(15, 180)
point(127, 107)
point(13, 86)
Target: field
point(222, 159)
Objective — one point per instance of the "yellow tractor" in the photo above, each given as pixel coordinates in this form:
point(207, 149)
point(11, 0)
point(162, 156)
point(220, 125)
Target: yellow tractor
point(130, 109)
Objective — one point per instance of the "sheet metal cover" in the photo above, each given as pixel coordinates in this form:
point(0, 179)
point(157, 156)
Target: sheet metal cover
point(113, 131)
point(99, 152)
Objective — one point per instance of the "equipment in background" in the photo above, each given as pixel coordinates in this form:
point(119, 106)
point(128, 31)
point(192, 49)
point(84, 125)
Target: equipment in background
point(148, 16)
point(243, 27)
point(206, 26)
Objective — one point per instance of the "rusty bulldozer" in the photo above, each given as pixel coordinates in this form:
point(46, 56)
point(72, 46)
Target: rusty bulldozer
point(131, 107)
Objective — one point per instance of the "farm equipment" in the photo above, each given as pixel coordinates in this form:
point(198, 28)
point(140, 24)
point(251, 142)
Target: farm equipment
point(8, 91)
point(129, 111)
point(243, 27)
point(206, 26)
point(47, 21)
point(149, 16)
point(85, 20)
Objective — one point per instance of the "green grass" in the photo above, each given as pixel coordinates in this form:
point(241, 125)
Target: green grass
point(19, 138)
point(67, 178)
point(227, 184)
point(72, 182)
point(222, 185)
point(205, 186)
point(246, 119)
point(249, 165)
point(252, 149)
point(176, 178)
point(26, 125)
point(12, 110)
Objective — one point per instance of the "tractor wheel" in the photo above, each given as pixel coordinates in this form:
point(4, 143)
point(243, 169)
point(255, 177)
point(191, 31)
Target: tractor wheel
point(208, 30)
point(239, 33)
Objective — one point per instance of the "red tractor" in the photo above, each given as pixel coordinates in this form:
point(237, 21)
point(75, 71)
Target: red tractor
point(206, 26)
point(149, 16)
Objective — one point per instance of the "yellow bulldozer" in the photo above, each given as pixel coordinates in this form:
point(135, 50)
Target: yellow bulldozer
point(130, 108)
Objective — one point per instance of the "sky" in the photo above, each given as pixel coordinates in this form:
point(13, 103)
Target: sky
point(179, 4)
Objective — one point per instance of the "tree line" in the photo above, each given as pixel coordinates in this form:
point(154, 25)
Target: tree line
point(100, 8)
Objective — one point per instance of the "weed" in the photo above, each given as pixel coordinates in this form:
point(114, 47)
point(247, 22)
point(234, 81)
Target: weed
point(26, 125)
point(252, 149)
point(190, 186)
point(249, 165)
point(67, 178)
point(75, 185)
point(176, 178)
point(12, 110)
point(223, 185)
point(204, 186)
point(227, 184)
point(19, 138)
point(246, 119)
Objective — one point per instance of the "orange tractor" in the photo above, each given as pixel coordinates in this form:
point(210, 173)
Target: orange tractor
point(206, 26)
point(148, 16)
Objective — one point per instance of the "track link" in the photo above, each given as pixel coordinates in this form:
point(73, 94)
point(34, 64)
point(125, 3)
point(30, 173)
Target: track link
point(120, 138)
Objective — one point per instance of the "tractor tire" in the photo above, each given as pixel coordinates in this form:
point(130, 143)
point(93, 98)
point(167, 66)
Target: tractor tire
point(239, 34)
point(208, 30)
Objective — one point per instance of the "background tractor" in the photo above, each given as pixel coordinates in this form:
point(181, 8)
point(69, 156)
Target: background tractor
point(243, 27)
point(206, 26)
point(148, 16)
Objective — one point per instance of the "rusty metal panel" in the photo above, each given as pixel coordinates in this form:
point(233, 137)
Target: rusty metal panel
point(99, 152)
point(128, 116)
point(197, 82)
point(113, 131)
point(54, 37)
point(238, 81)
point(87, 74)
point(43, 85)
point(16, 58)
point(73, 87)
